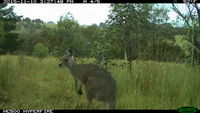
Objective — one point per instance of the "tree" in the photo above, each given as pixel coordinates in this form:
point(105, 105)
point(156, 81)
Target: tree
point(38, 21)
point(40, 51)
point(69, 35)
point(8, 40)
point(50, 22)
point(132, 24)
point(192, 22)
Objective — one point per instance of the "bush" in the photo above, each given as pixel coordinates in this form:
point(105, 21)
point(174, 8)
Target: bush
point(40, 51)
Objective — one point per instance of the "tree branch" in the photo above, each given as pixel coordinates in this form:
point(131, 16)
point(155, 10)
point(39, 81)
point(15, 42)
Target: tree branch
point(190, 11)
point(179, 13)
point(198, 12)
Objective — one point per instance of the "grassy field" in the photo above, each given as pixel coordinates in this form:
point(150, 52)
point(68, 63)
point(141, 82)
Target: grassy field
point(31, 83)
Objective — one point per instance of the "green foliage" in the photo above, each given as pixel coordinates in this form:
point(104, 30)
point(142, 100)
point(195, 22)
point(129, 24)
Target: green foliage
point(191, 19)
point(32, 32)
point(132, 31)
point(130, 23)
point(139, 31)
point(2, 39)
point(40, 51)
point(8, 39)
point(68, 35)
point(31, 25)
point(11, 43)
point(181, 41)
point(56, 52)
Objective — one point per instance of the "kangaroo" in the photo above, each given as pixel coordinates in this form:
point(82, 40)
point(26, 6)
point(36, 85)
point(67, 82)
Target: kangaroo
point(98, 82)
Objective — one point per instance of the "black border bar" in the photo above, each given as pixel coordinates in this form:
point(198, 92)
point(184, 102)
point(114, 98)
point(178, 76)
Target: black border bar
point(90, 111)
point(98, 1)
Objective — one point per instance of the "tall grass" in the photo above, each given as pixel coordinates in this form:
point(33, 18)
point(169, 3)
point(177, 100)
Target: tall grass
point(31, 83)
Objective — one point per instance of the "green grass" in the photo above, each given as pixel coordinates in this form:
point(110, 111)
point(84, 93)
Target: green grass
point(31, 83)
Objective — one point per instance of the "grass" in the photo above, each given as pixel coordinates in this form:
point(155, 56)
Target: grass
point(31, 83)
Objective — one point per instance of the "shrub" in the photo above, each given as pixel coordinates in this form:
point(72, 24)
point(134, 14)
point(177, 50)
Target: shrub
point(40, 51)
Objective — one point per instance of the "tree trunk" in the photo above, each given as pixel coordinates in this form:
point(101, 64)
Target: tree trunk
point(125, 54)
point(198, 43)
point(154, 49)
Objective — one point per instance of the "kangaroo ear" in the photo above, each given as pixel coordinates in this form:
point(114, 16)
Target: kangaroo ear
point(70, 52)
point(67, 52)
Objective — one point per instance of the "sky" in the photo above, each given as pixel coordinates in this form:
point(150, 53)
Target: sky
point(85, 14)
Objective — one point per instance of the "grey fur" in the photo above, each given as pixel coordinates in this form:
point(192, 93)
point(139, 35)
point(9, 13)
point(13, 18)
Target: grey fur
point(98, 83)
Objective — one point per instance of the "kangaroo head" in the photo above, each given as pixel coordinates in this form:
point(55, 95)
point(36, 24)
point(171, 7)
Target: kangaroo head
point(67, 60)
